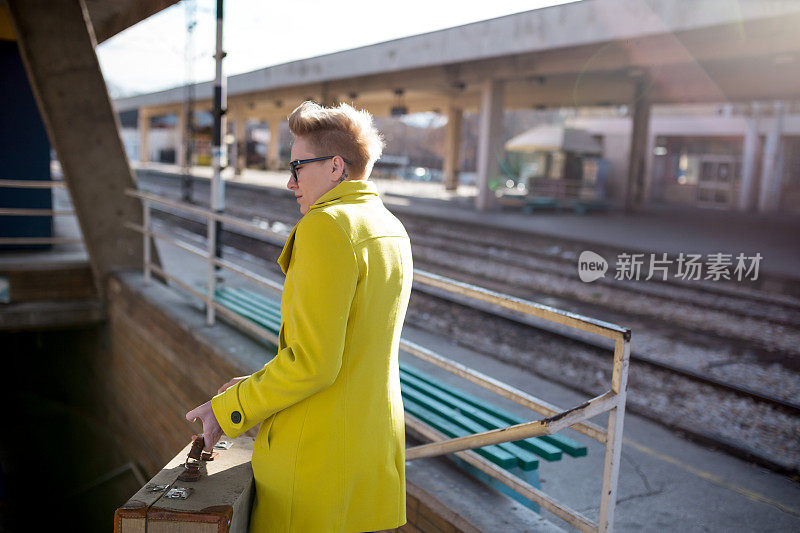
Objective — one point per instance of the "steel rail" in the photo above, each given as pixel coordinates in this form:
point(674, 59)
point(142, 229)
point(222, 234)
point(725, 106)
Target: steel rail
point(247, 325)
point(30, 212)
point(32, 184)
point(699, 286)
point(39, 240)
point(643, 289)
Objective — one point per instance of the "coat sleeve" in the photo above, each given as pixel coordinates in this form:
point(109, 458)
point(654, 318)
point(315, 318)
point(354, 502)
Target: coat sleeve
point(324, 275)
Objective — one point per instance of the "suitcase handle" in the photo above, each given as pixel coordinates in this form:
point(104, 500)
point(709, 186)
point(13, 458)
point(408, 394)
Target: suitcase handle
point(192, 468)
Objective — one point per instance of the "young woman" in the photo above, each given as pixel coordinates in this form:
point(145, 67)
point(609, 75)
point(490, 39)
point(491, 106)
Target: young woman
point(330, 452)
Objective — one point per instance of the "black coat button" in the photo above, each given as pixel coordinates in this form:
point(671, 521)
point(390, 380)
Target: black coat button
point(236, 417)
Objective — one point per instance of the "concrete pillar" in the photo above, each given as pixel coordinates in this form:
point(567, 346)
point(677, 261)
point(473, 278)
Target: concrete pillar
point(649, 159)
point(239, 148)
point(180, 149)
point(490, 147)
point(770, 191)
point(452, 148)
point(57, 44)
point(326, 98)
point(144, 129)
point(747, 185)
point(273, 148)
point(640, 118)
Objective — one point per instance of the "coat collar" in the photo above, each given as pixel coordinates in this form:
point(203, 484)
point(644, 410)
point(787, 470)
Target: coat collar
point(348, 191)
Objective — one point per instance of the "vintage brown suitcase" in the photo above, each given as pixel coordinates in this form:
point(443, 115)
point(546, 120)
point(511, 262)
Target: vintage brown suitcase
point(219, 501)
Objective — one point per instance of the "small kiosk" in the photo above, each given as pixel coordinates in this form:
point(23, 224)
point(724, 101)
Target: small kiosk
point(560, 167)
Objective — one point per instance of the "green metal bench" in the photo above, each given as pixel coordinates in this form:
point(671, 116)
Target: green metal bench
point(442, 406)
point(584, 206)
point(465, 414)
point(540, 203)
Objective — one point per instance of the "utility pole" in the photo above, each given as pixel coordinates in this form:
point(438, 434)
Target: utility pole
point(219, 154)
point(188, 103)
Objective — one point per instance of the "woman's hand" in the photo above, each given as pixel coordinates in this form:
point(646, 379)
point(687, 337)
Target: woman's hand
point(231, 383)
point(212, 432)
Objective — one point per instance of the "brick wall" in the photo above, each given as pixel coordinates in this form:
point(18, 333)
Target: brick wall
point(156, 371)
point(426, 514)
point(49, 281)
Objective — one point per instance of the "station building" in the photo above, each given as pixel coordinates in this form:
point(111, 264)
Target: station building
point(709, 155)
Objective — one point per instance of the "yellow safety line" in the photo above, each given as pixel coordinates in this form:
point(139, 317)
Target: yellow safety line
point(708, 476)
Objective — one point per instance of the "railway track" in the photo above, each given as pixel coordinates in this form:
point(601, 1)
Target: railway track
point(700, 385)
point(542, 253)
point(745, 303)
point(762, 326)
point(635, 357)
point(763, 340)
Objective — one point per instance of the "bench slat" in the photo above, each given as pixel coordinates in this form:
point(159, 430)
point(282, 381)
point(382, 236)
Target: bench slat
point(565, 444)
point(249, 313)
point(534, 445)
point(493, 453)
point(525, 460)
point(265, 305)
point(485, 420)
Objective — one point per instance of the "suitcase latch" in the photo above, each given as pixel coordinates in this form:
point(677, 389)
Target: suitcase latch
point(179, 493)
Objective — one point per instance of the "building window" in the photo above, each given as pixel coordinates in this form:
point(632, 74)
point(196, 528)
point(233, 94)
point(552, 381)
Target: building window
point(791, 161)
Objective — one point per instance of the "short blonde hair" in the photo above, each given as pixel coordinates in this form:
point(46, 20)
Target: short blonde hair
point(340, 130)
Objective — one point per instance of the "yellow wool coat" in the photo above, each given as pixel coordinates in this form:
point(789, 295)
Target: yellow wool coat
point(330, 453)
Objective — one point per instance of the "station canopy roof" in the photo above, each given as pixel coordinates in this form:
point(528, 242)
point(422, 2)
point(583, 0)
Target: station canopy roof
point(110, 17)
point(580, 54)
point(554, 137)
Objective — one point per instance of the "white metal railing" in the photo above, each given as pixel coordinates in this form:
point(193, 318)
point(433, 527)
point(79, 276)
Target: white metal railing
point(555, 419)
point(31, 212)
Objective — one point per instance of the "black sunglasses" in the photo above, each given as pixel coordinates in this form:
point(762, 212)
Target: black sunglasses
point(294, 165)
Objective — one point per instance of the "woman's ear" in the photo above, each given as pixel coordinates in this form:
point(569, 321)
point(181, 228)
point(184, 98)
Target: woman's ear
point(338, 169)
point(334, 171)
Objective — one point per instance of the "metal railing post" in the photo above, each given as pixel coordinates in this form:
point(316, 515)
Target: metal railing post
point(146, 237)
point(613, 454)
point(211, 282)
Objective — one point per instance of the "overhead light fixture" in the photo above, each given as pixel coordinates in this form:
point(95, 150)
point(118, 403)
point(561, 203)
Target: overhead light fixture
point(399, 108)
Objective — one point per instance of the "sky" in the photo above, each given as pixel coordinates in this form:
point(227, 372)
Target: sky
point(150, 56)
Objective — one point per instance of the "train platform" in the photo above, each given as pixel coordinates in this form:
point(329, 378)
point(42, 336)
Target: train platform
point(666, 482)
point(653, 229)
